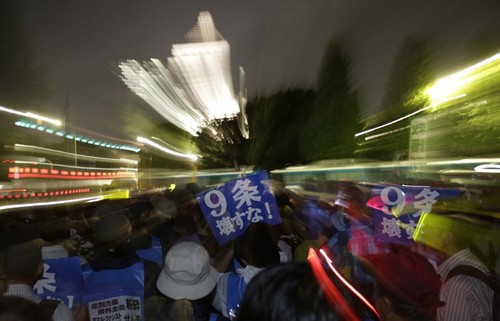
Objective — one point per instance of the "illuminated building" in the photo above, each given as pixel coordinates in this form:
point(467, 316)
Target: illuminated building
point(196, 87)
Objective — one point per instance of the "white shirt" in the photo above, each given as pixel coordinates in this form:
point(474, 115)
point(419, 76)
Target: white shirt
point(465, 298)
point(220, 299)
point(61, 313)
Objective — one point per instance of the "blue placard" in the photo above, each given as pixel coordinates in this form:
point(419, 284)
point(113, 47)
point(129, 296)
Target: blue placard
point(62, 280)
point(231, 207)
point(397, 209)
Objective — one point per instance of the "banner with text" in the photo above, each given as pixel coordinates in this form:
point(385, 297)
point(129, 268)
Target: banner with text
point(231, 207)
point(397, 209)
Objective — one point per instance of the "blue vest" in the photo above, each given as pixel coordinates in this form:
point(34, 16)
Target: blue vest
point(114, 294)
point(235, 288)
point(62, 280)
point(154, 253)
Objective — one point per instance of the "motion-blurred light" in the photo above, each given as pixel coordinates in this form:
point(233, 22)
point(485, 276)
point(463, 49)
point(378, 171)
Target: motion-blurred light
point(453, 84)
point(191, 157)
point(196, 88)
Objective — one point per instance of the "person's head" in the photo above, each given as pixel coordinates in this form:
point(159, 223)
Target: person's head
point(406, 285)
point(164, 207)
point(285, 292)
point(22, 261)
point(184, 201)
point(311, 219)
point(353, 199)
point(109, 207)
point(257, 246)
point(112, 228)
point(188, 211)
point(187, 272)
point(450, 226)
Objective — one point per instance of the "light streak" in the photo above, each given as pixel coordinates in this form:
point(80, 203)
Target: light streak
point(404, 117)
point(61, 133)
point(155, 84)
point(387, 133)
point(334, 296)
point(449, 84)
point(488, 168)
point(170, 146)
point(195, 89)
point(465, 161)
point(31, 115)
point(86, 199)
point(28, 172)
point(166, 150)
point(21, 147)
point(347, 284)
point(242, 101)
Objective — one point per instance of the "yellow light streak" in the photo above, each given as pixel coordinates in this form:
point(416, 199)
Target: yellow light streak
point(450, 84)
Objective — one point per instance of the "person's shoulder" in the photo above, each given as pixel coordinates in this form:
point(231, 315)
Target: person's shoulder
point(62, 313)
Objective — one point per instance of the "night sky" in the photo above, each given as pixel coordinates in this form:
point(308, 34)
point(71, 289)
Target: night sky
point(279, 43)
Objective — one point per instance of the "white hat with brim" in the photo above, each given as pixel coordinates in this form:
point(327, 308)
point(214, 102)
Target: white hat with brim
point(187, 272)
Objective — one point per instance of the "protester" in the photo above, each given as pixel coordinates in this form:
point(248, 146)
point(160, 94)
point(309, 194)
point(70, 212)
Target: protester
point(447, 231)
point(311, 221)
point(183, 226)
point(353, 235)
point(188, 281)
point(21, 265)
point(80, 241)
point(147, 245)
point(253, 251)
point(289, 239)
point(115, 263)
point(406, 285)
point(285, 292)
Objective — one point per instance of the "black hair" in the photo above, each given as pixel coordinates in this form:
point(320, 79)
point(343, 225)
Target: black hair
point(285, 291)
point(257, 246)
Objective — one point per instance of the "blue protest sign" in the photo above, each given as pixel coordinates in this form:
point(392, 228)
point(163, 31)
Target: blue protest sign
point(397, 209)
point(62, 280)
point(231, 207)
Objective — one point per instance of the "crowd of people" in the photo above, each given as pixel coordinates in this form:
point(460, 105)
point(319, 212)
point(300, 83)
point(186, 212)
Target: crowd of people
point(155, 258)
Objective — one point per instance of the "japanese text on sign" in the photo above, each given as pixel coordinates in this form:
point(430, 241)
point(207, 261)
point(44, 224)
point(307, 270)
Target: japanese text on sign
point(397, 209)
point(61, 280)
point(230, 208)
point(116, 308)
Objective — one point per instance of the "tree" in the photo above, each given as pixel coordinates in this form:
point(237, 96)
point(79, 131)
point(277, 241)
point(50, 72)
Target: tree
point(408, 78)
point(410, 74)
point(334, 114)
point(221, 145)
point(276, 123)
